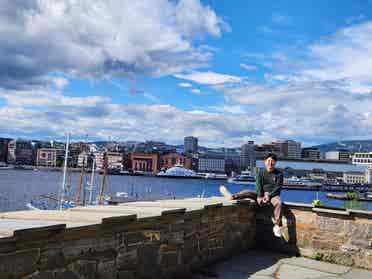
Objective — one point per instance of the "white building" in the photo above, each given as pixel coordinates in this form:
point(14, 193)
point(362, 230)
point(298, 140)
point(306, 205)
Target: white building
point(338, 155)
point(211, 165)
point(114, 160)
point(362, 158)
point(368, 175)
point(294, 149)
point(248, 156)
point(354, 177)
point(46, 157)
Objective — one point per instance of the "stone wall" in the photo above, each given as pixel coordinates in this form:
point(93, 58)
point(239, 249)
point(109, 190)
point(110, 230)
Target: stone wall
point(334, 235)
point(178, 242)
point(171, 245)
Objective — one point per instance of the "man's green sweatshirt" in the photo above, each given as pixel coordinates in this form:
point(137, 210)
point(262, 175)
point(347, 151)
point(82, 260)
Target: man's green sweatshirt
point(271, 182)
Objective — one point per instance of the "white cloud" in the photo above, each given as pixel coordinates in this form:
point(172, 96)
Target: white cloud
point(185, 84)
point(101, 40)
point(209, 78)
point(248, 67)
point(53, 114)
point(307, 111)
point(345, 56)
point(195, 90)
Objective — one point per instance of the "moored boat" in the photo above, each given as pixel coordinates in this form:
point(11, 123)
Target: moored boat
point(178, 171)
point(245, 178)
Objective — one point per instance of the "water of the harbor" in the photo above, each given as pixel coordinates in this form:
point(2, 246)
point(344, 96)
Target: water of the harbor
point(18, 187)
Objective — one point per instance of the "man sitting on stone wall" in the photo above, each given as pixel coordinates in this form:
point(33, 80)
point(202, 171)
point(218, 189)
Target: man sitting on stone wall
point(269, 182)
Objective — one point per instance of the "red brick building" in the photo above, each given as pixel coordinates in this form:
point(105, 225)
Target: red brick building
point(145, 162)
point(169, 160)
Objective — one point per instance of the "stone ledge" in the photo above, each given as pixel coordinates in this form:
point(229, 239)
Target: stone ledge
point(173, 211)
point(331, 211)
point(119, 219)
point(355, 212)
point(37, 233)
point(296, 205)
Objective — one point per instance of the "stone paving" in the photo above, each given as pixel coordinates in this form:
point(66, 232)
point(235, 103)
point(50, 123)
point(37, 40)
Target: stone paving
point(261, 265)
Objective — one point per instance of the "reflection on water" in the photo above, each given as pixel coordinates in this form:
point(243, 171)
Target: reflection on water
point(358, 205)
point(17, 187)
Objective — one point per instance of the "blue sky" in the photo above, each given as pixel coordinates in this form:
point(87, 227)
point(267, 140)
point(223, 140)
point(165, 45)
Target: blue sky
point(224, 71)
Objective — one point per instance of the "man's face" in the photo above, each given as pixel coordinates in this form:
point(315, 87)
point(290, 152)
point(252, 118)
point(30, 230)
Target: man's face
point(270, 164)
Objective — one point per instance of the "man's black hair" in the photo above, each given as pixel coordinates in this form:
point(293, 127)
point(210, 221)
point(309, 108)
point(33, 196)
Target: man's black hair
point(271, 155)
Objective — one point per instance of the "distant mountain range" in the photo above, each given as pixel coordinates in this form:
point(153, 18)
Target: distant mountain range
point(351, 145)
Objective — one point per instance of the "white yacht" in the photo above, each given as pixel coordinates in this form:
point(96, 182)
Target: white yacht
point(246, 178)
point(214, 176)
point(302, 181)
point(178, 171)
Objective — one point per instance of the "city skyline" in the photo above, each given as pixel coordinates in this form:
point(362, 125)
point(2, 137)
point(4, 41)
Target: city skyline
point(162, 70)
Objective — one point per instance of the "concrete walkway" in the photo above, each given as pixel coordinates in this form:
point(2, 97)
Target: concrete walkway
point(261, 265)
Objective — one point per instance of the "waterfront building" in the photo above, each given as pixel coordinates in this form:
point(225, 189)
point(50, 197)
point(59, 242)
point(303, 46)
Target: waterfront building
point(289, 148)
point(362, 158)
point(74, 150)
point(264, 149)
point(168, 161)
point(20, 152)
point(311, 153)
point(368, 175)
point(248, 156)
point(190, 144)
point(318, 175)
point(211, 162)
point(145, 162)
point(338, 155)
point(232, 161)
point(86, 159)
point(114, 160)
point(353, 177)
point(281, 147)
point(46, 157)
point(293, 149)
point(4, 149)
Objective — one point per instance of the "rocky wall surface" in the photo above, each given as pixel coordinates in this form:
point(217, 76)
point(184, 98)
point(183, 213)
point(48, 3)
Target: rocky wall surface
point(334, 235)
point(171, 245)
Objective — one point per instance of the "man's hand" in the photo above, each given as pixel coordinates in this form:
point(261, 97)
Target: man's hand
point(266, 198)
point(259, 200)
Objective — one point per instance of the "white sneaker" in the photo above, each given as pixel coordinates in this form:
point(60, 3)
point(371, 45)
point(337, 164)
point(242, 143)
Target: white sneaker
point(277, 231)
point(226, 193)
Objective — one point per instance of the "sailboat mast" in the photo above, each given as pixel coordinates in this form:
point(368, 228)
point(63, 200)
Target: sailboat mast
point(92, 181)
point(79, 188)
point(102, 186)
point(63, 188)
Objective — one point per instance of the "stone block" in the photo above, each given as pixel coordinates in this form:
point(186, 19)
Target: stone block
point(41, 233)
point(338, 257)
point(51, 259)
point(127, 260)
point(106, 270)
point(67, 274)
point(7, 245)
point(127, 274)
point(42, 275)
point(148, 256)
point(18, 264)
point(169, 259)
point(85, 269)
point(134, 238)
